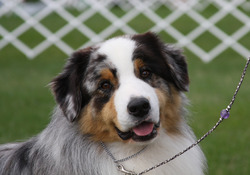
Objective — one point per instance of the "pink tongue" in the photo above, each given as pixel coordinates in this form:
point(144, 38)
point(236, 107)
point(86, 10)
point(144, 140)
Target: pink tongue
point(143, 129)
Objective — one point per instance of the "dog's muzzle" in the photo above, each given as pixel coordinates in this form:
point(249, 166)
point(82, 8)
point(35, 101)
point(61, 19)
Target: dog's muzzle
point(144, 130)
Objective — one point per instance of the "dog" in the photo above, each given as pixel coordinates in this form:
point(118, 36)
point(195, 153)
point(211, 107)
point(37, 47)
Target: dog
point(119, 99)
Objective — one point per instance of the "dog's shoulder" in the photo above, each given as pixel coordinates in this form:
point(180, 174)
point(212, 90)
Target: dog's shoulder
point(15, 157)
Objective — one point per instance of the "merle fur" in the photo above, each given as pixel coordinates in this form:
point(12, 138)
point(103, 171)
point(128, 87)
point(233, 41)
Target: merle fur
point(61, 149)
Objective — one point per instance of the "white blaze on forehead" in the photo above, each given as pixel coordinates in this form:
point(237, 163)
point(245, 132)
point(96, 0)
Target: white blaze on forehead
point(119, 51)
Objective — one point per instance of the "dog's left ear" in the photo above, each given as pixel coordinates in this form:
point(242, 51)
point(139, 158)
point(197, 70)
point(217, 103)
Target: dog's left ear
point(68, 85)
point(178, 67)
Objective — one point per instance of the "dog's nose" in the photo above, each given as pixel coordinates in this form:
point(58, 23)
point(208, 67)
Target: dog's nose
point(138, 107)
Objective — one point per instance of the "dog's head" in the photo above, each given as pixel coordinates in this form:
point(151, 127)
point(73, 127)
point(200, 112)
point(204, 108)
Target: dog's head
point(123, 89)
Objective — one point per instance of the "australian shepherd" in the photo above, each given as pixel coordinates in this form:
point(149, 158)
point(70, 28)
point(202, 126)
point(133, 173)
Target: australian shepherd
point(121, 100)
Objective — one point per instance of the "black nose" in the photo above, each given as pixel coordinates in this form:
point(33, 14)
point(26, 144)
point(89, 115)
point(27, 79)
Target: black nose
point(138, 107)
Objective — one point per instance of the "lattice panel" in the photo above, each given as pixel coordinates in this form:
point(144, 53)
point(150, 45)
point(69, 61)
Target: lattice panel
point(205, 27)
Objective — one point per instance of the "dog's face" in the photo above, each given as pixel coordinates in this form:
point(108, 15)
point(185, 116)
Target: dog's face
point(124, 89)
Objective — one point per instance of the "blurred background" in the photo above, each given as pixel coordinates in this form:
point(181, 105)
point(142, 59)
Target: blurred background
point(37, 36)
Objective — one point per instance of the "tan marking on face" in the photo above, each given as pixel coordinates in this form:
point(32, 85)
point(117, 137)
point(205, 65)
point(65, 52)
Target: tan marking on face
point(106, 74)
point(100, 126)
point(138, 63)
point(170, 110)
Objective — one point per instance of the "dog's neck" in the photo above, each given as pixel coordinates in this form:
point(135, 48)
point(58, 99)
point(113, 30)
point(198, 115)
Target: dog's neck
point(160, 149)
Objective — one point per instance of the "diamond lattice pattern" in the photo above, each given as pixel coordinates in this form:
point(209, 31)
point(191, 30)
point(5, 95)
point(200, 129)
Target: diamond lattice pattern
point(205, 27)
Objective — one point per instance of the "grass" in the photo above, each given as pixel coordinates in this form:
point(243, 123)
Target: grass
point(26, 102)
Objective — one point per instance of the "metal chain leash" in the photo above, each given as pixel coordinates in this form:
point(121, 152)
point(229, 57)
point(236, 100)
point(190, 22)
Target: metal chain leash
point(124, 159)
point(239, 85)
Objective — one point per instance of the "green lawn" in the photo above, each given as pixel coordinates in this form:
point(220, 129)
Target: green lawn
point(26, 101)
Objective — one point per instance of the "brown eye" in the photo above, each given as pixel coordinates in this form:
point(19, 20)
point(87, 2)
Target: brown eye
point(106, 86)
point(145, 73)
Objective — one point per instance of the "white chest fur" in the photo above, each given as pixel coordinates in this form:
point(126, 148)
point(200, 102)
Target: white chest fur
point(164, 147)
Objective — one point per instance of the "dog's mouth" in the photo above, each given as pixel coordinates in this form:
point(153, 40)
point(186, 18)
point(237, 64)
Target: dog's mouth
point(145, 131)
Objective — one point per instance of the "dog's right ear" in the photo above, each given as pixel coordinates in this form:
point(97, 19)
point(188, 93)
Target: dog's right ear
point(178, 67)
point(67, 87)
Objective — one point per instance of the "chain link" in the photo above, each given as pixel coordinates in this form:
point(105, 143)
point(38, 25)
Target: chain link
point(124, 159)
point(239, 85)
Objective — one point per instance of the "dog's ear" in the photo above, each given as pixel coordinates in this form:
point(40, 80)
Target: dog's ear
point(68, 85)
point(178, 67)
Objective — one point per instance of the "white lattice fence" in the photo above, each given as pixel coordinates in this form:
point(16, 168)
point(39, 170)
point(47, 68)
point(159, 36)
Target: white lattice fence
point(205, 27)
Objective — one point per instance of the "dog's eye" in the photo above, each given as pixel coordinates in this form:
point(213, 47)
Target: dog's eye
point(105, 86)
point(145, 73)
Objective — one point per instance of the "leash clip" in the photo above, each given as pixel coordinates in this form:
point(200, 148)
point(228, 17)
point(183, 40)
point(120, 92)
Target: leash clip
point(123, 170)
